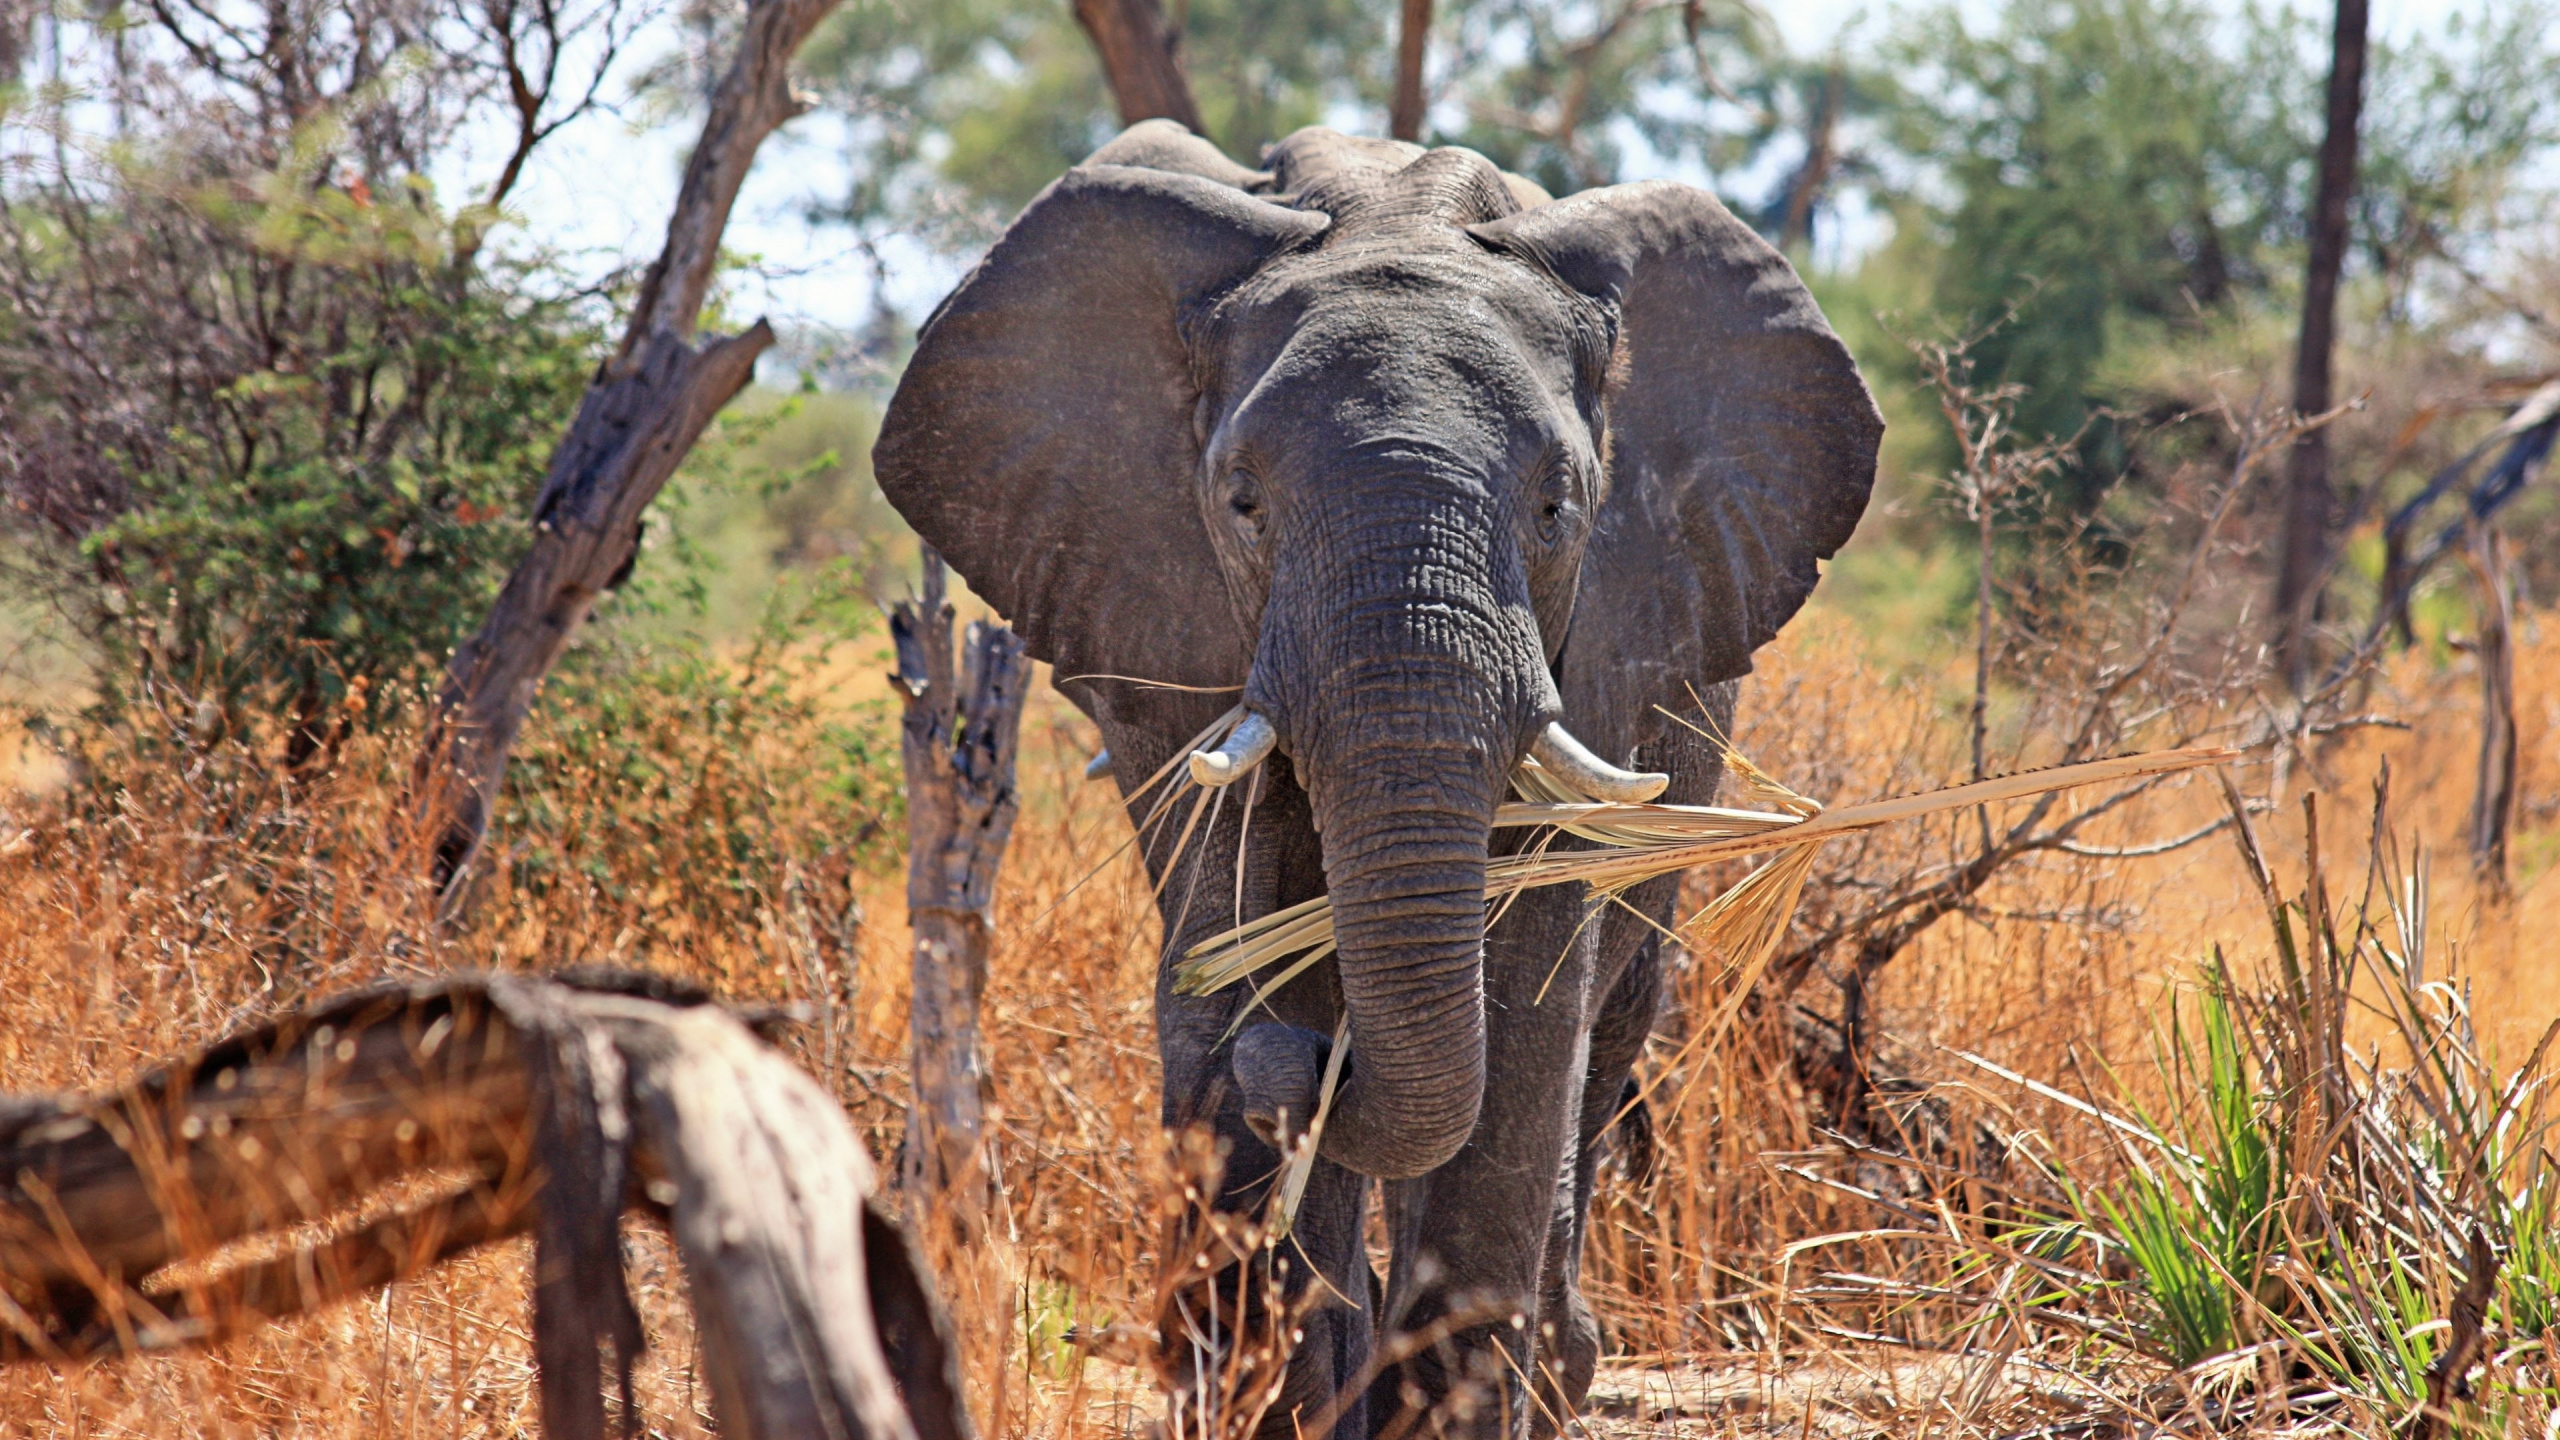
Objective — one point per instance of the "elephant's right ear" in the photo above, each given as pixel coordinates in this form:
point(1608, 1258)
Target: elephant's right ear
point(1042, 438)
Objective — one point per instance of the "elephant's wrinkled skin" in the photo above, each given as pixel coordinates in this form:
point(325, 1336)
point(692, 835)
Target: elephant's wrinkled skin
point(1422, 461)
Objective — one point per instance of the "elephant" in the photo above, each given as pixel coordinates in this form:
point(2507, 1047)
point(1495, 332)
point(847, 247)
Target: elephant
point(1431, 471)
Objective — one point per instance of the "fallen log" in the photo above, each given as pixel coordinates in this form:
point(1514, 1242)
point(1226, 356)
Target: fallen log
point(360, 1141)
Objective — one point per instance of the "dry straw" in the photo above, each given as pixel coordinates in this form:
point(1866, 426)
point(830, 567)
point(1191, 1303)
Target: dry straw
point(1631, 844)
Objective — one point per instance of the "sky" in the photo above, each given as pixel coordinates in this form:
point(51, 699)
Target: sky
point(600, 190)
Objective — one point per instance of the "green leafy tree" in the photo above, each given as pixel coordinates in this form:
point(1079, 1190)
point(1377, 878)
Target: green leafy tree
point(1834, 112)
point(2456, 131)
point(2120, 169)
point(311, 510)
point(1565, 94)
point(958, 113)
point(2110, 162)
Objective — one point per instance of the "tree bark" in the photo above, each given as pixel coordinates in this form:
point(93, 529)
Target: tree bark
point(1141, 59)
point(2310, 498)
point(642, 413)
point(1404, 119)
point(556, 1107)
point(960, 737)
point(2493, 804)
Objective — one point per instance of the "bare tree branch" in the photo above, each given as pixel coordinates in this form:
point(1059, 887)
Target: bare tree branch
point(2103, 660)
point(1141, 57)
point(639, 418)
point(1404, 118)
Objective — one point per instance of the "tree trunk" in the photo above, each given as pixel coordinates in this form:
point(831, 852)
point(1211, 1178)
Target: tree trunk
point(961, 735)
point(1142, 60)
point(642, 413)
point(1404, 120)
point(2310, 499)
point(1821, 153)
point(17, 28)
point(2493, 805)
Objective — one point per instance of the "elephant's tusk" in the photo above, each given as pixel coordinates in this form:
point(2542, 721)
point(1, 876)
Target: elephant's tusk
point(1245, 747)
point(1099, 767)
point(1572, 762)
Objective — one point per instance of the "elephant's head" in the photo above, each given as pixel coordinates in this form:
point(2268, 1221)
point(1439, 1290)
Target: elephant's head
point(1425, 472)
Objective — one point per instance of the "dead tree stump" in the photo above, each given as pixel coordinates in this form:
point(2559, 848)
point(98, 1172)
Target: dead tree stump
point(360, 1141)
point(961, 733)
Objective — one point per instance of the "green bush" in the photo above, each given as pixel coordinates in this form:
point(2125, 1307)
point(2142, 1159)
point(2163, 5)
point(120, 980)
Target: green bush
point(2289, 1206)
point(672, 787)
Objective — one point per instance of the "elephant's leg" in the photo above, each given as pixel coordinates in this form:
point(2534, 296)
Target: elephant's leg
point(1335, 1333)
point(1470, 1239)
point(1568, 1332)
point(1230, 872)
point(1630, 975)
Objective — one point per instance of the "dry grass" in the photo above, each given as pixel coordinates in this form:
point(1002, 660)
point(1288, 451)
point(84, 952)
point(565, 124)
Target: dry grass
point(216, 893)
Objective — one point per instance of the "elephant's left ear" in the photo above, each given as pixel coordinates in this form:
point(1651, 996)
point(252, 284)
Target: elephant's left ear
point(1742, 443)
point(1043, 435)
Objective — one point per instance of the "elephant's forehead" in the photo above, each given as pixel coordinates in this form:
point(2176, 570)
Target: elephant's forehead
point(1418, 302)
point(1415, 369)
point(1377, 184)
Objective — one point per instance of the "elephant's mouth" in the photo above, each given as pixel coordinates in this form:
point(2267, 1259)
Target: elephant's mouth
point(1555, 748)
point(1406, 832)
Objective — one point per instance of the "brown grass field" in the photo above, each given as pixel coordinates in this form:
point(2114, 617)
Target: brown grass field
point(135, 931)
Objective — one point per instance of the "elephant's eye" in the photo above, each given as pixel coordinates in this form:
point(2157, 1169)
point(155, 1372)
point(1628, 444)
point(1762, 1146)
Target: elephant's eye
point(1554, 502)
point(1244, 504)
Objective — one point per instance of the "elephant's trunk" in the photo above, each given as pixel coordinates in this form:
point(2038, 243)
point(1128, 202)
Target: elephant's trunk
point(1405, 676)
point(1404, 860)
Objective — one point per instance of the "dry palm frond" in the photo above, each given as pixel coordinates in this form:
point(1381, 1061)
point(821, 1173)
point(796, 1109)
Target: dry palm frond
point(1747, 921)
point(1541, 786)
point(1764, 790)
point(1637, 843)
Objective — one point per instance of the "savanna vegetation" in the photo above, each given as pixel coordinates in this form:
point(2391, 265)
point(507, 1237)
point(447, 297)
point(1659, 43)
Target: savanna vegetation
point(2218, 1108)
